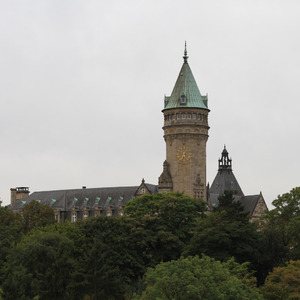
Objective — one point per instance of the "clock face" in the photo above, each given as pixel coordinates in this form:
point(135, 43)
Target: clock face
point(184, 154)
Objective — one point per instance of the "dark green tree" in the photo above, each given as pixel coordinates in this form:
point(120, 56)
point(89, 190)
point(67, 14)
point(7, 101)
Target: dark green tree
point(221, 238)
point(167, 220)
point(234, 209)
point(115, 256)
point(73, 232)
point(279, 234)
point(284, 219)
point(271, 253)
point(10, 233)
point(41, 266)
point(225, 232)
point(36, 214)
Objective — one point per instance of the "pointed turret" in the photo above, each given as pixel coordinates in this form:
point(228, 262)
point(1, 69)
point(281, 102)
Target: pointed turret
point(225, 161)
point(185, 92)
point(225, 179)
point(185, 133)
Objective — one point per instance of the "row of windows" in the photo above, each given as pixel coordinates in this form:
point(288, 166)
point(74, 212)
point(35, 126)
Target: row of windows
point(188, 115)
point(74, 215)
point(198, 194)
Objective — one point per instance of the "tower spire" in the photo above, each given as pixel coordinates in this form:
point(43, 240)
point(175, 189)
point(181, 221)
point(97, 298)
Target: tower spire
point(185, 57)
point(225, 161)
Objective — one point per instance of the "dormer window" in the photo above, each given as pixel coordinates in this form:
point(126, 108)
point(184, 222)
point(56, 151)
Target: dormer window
point(182, 99)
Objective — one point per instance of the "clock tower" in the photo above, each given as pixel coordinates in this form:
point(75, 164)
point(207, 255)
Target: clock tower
point(185, 133)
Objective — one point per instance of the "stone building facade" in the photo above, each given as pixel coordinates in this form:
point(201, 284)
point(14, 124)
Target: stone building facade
point(83, 203)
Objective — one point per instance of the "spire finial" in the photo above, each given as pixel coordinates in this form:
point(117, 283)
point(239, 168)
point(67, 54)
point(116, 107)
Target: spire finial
point(225, 161)
point(185, 57)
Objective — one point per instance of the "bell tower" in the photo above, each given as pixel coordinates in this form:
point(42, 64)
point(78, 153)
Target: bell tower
point(185, 133)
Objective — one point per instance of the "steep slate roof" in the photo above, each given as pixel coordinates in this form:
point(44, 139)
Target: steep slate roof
point(226, 181)
point(64, 200)
point(248, 202)
point(186, 86)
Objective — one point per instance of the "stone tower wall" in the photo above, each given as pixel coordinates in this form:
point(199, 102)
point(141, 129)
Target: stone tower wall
point(186, 134)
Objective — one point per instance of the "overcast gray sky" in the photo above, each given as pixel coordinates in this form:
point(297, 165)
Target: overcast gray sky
point(83, 83)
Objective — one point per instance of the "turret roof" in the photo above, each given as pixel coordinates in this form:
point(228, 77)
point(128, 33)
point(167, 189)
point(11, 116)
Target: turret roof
point(225, 179)
point(185, 92)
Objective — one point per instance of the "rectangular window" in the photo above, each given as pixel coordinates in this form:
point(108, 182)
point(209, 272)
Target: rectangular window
point(194, 116)
point(183, 116)
point(74, 218)
point(189, 115)
point(178, 116)
point(173, 117)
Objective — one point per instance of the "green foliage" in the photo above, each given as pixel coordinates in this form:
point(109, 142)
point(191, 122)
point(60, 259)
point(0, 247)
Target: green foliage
point(284, 220)
point(106, 257)
point(167, 220)
point(287, 206)
point(40, 266)
point(194, 278)
point(234, 209)
point(221, 238)
point(114, 258)
point(283, 283)
point(10, 233)
point(173, 212)
point(37, 215)
point(271, 253)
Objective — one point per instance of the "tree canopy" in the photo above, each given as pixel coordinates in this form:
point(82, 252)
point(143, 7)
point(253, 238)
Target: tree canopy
point(167, 220)
point(173, 212)
point(283, 282)
point(225, 233)
point(36, 214)
point(196, 278)
point(108, 257)
point(43, 265)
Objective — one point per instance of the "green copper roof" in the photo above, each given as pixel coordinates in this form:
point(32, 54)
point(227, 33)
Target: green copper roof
point(185, 92)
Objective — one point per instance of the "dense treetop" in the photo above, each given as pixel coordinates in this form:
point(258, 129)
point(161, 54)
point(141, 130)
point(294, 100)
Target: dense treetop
point(166, 246)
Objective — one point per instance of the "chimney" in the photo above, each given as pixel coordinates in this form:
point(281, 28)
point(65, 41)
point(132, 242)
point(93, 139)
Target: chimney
point(13, 194)
point(18, 194)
